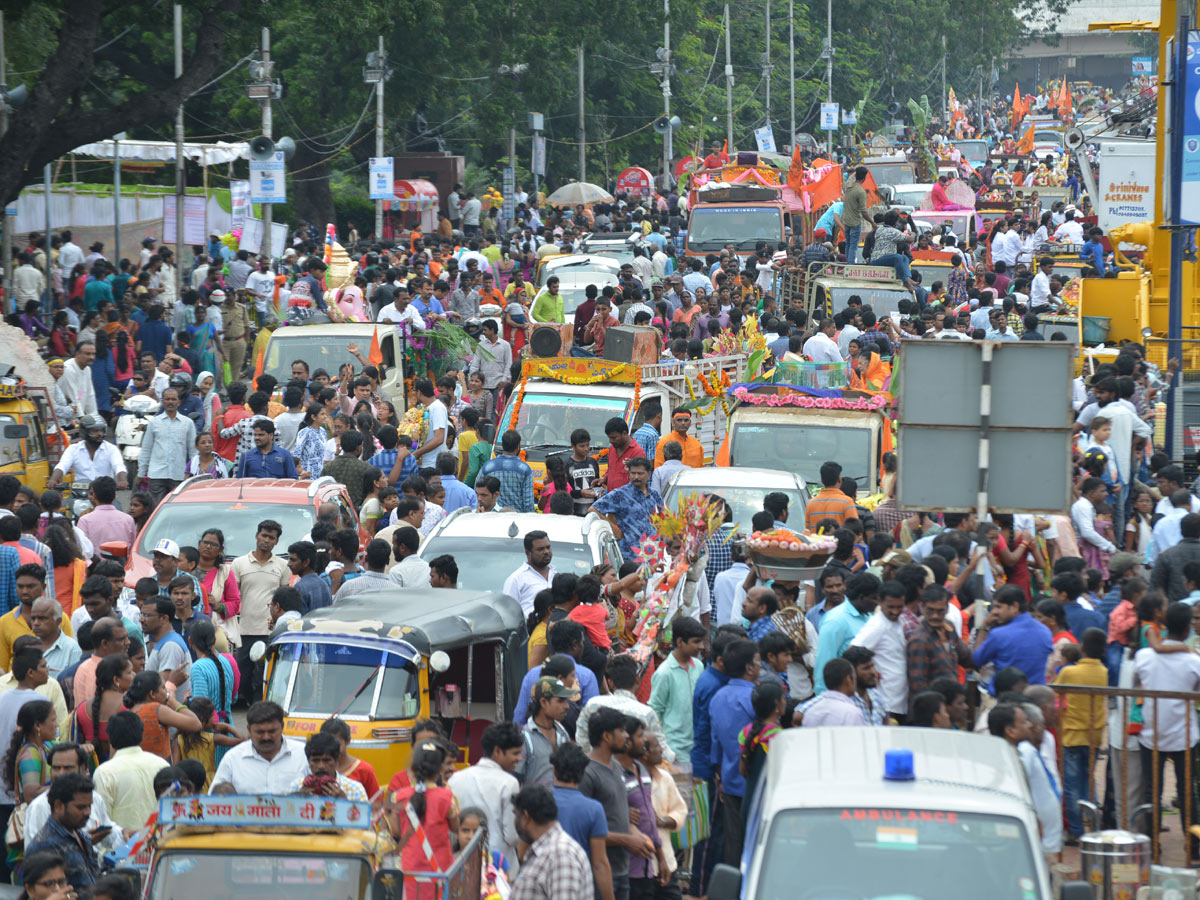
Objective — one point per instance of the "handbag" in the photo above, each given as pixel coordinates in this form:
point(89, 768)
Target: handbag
point(229, 625)
point(14, 834)
point(697, 826)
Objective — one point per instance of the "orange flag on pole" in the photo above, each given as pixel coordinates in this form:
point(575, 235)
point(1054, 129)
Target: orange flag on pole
point(1016, 107)
point(258, 365)
point(1025, 144)
point(795, 177)
point(375, 354)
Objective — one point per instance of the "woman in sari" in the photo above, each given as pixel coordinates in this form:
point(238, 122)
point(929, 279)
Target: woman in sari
point(205, 340)
point(206, 384)
point(956, 283)
point(869, 372)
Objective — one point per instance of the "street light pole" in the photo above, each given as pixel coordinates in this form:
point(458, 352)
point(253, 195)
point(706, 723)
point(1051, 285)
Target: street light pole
point(264, 247)
point(728, 86)
point(791, 142)
point(6, 246)
point(180, 161)
point(666, 89)
point(582, 125)
point(829, 68)
point(767, 67)
point(379, 130)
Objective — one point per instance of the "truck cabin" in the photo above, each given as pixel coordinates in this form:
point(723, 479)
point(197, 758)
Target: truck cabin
point(831, 285)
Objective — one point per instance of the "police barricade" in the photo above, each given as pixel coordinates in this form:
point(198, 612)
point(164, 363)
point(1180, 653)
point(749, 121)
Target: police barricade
point(1134, 731)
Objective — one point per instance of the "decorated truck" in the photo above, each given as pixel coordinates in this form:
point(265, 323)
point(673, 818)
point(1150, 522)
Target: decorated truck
point(557, 395)
point(794, 428)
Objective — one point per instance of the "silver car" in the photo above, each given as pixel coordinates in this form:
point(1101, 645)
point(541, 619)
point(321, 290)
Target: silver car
point(743, 488)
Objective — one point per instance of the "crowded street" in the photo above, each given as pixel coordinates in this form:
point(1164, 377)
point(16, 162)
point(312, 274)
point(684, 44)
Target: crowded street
point(792, 507)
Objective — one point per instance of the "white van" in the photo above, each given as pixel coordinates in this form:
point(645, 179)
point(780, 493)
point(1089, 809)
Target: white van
point(859, 813)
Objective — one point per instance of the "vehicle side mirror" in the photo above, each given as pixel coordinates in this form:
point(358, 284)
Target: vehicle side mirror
point(115, 549)
point(487, 432)
point(16, 432)
point(1075, 890)
point(726, 883)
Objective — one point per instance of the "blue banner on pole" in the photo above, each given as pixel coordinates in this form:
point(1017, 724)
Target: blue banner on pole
point(1189, 169)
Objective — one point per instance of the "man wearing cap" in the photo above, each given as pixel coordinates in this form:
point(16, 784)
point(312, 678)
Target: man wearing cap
point(676, 293)
point(544, 732)
point(817, 251)
point(166, 568)
point(146, 252)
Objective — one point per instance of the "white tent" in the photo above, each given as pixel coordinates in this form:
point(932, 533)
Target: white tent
point(164, 151)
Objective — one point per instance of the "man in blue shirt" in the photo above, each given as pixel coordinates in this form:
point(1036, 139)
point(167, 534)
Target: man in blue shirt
point(1093, 251)
point(566, 641)
point(1012, 637)
point(647, 436)
point(458, 494)
point(302, 557)
point(266, 460)
point(1067, 587)
point(844, 621)
point(516, 478)
point(712, 679)
point(629, 507)
point(155, 334)
point(730, 712)
point(581, 817)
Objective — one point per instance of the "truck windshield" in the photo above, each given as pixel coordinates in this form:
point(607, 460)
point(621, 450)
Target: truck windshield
point(711, 228)
point(885, 173)
point(857, 854)
point(232, 873)
point(320, 352)
point(881, 299)
point(802, 448)
point(546, 421)
point(973, 151)
point(320, 679)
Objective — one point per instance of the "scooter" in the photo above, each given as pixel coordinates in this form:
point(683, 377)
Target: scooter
point(77, 501)
point(131, 427)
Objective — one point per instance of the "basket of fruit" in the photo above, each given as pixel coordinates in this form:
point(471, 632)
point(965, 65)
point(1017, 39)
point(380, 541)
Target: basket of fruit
point(785, 555)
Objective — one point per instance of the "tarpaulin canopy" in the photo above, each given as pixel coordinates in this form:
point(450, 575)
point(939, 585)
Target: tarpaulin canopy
point(164, 151)
point(413, 194)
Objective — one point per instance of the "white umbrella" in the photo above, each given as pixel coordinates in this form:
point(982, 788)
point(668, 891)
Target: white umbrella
point(579, 193)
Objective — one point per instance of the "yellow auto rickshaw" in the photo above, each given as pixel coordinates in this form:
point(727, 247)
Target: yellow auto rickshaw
point(383, 660)
point(31, 439)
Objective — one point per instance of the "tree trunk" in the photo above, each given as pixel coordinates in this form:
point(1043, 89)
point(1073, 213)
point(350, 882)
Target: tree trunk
point(313, 198)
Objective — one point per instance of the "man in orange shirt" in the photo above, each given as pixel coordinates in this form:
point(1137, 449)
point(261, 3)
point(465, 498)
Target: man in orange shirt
point(489, 293)
point(830, 502)
point(693, 450)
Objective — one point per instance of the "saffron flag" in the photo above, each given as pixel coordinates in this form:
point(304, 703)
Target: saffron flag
point(795, 177)
point(1017, 109)
point(375, 354)
point(1025, 144)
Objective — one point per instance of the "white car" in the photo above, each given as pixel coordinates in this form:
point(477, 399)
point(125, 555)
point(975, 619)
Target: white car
point(489, 547)
point(743, 488)
point(575, 262)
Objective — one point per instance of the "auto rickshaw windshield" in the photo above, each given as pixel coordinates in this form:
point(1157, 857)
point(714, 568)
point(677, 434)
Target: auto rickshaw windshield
point(319, 678)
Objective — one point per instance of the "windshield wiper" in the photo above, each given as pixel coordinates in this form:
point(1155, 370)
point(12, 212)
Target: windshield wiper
point(548, 446)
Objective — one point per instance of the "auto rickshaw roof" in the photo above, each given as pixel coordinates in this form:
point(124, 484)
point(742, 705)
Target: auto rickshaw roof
point(428, 619)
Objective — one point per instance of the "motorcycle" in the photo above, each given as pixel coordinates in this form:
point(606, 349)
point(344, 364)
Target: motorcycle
point(77, 501)
point(131, 427)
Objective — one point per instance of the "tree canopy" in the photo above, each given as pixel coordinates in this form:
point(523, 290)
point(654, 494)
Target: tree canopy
point(473, 71)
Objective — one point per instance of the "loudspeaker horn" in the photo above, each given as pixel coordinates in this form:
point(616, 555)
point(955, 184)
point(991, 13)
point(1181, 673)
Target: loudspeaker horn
point(262, 148)
point(1074, 138)
point(675, 123)
point(662, 125)
point(17, 97)
point(287, 146)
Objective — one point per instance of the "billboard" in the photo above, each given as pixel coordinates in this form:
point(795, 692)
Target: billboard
point(1126, 184)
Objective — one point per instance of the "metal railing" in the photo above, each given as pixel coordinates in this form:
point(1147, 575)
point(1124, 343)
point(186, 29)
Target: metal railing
point(462, 881)
point(1123, 775)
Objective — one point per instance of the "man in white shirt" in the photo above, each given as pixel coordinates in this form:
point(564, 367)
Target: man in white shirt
point(1002, 250)
point(1070, 231)
point(399, 310)
point(490, 785)
point(535, 575)
point(76, 382)
point(729, 588)
point(643, 268)
point(438, 432)
point(471, 211)
point(92, 457)
point(1171, 732)
point(28, 282)
point(821, 347)
point(70, 254)
point(884, 635)
point(411, 571)
point(268, 763)
point(261, 283)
